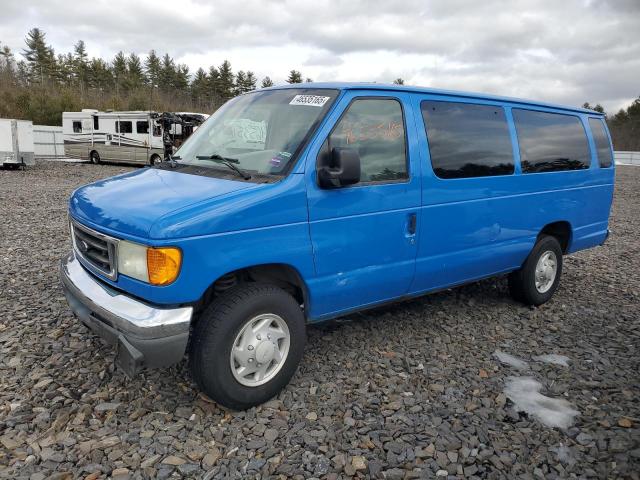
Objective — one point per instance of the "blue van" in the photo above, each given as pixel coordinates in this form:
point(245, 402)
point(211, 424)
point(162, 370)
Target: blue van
point(298, 204)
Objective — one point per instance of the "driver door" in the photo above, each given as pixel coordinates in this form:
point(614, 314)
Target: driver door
point(364, 235)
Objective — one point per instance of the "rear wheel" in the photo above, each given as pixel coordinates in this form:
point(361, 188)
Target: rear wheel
point(247, 345)
point(95, 157)
point(537, 280)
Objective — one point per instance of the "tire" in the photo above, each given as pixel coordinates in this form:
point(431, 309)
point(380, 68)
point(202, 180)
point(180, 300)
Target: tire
point(155, 160)
point(94, 157)
point(219, 330)
point(533, 288)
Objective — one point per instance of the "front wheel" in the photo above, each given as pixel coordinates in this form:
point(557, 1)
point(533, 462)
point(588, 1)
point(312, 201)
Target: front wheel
point(155, 160)
point(538, 279)
point(247, 345)
point(95, 157)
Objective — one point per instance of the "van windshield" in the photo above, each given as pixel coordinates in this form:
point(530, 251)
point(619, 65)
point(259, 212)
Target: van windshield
point(259, 132)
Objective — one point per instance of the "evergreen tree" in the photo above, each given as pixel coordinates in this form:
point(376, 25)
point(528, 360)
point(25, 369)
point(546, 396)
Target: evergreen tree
point(250, 81)
point(213, 83)
point(152, 68)
point(226, 82)
point(99, 74)
point(240, 80)
point(167, 76)
point(199, 85)
point(398, 81)
point(181, 78)
point(294, 77)
point(80, 63)
point(40, 58)
point(119, 69)
point(135, 73)
point(266, 82)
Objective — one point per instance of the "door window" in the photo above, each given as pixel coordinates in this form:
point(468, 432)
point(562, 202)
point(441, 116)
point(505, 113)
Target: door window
point(77, 127)
point(374, 127)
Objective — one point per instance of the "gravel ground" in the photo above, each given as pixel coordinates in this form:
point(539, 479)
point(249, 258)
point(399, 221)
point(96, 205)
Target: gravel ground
point(415, 390)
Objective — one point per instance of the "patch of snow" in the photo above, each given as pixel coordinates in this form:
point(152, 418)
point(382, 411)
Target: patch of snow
point(553, 359)
point(564, 454)
point(524, 392)
point(511, 360)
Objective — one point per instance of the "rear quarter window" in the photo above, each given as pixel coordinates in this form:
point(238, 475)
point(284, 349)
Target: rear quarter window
point(601, 139)
point(467, 140)
point(551, 142)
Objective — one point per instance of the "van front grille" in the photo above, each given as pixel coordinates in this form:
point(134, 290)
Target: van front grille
point(95, 248)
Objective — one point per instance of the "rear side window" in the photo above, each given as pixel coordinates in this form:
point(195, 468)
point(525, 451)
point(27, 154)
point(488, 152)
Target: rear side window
point(124, 127)
point(467, 140)
point(551, 142)
point(375, 129)
point(603, 147)
point(77, 127)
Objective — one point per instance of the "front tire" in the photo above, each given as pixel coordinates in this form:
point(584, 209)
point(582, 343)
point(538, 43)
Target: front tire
point(95, 157)
point(537, 280)
point(155, 160)
point(247, 345)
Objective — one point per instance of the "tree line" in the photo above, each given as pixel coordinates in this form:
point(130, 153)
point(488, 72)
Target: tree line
point(42, 84)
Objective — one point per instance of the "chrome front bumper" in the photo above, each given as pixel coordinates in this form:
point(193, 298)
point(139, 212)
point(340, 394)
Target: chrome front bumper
point(144, 335)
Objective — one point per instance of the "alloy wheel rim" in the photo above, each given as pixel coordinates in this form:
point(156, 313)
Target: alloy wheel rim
point(260, 350)
point(546, 271)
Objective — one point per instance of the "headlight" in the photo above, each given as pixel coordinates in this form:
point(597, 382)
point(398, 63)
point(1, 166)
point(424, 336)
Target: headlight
point(158, 266)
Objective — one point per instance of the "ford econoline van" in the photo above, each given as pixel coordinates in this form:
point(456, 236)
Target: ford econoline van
point(298, 204)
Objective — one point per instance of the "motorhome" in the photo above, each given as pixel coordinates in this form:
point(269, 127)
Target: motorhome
point(16, 143)
point(142, 137)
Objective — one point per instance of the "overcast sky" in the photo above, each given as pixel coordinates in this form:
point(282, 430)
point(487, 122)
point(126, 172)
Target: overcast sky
point(566, 51)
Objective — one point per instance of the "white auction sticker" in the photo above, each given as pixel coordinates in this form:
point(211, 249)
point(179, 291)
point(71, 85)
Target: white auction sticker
point(309, 100)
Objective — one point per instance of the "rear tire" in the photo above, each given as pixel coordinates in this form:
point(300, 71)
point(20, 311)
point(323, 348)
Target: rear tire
point(95, 157)
point(537, 280)
point(229, 340)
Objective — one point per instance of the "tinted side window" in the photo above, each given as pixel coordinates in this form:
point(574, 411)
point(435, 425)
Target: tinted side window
point(602, 142)
point(375, 129)
point(77, 127)
point(95, 123)
point(551, 142)
point(142, 127)
point(124, 127)
point(467, 140)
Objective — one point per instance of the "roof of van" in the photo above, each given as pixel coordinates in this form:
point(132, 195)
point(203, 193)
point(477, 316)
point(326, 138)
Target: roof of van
point(432, 91)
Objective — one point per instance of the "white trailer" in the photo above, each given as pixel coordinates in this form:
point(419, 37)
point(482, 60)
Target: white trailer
point(16, 143)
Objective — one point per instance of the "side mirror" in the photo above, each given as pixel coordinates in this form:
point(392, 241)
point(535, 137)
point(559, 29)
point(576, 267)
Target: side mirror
point(339, 168)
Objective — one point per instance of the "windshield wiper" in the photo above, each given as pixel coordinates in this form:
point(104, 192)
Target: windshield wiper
point(227, 162)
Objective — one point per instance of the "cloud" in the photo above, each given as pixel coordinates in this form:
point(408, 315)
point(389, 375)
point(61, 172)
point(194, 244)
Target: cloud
point(568, 52)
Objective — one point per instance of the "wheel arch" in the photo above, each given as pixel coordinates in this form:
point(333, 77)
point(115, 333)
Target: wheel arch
point(562, 231)
point(282, 275)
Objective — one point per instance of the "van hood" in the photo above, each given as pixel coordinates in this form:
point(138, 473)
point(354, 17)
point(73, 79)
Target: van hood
point(132, 202)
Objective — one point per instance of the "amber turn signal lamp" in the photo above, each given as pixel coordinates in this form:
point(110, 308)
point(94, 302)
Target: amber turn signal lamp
point(163, 265)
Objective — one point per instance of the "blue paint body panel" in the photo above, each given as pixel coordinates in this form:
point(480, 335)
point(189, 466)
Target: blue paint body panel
point(351, 246)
